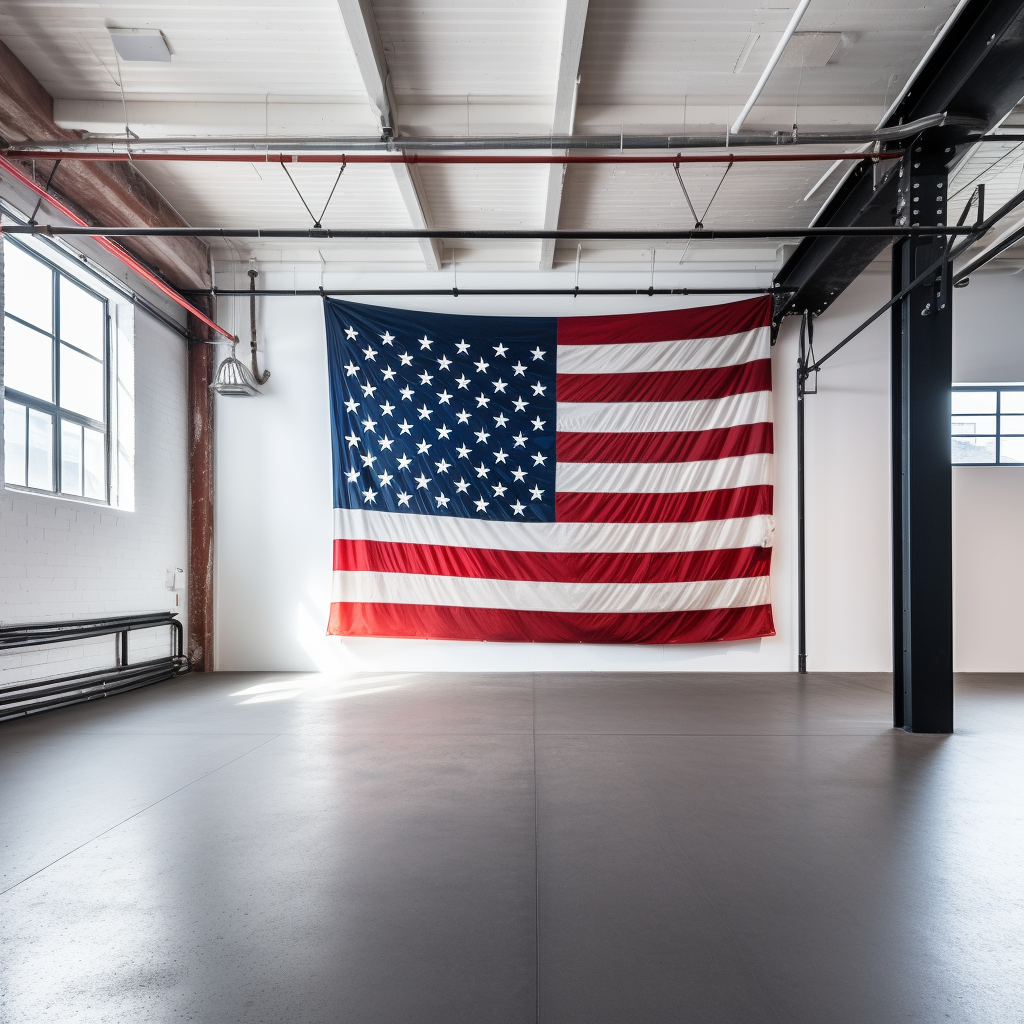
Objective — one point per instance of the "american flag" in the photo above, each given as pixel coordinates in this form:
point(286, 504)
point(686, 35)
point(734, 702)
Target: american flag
point(598, 479)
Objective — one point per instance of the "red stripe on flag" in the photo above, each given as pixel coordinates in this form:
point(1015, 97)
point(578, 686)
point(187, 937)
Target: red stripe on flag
point(687, 507)
point(551, 567)
point(670, 446)
point(438, 622)
point(666, 386)
point(670, 325)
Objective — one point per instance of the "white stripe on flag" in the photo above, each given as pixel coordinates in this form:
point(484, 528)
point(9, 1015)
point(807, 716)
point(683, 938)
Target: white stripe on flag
point(513, 595)
point(453, 531)
point(641, 357)
point(663, 477)
point(641, 417)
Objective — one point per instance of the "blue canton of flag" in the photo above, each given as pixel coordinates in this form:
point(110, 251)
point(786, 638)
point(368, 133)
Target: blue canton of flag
point(436, 414)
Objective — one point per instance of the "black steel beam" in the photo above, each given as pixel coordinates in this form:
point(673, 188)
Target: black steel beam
point(922, 368)
point(976, 71)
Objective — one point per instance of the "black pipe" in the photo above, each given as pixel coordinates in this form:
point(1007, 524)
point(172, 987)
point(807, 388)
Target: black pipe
point(978, 262)
point(979, 230)
point(101, 275)
point(26, 697)
point(801, 567)
point(413, 234)
point(299, 292)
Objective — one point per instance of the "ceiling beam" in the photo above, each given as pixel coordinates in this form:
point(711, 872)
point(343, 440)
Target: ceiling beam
point(373, 66)
point(565, 113)
point(976, 71)
point(99, 193)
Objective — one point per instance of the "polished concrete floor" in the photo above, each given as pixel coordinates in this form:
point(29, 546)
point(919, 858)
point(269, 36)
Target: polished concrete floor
point(577, 849)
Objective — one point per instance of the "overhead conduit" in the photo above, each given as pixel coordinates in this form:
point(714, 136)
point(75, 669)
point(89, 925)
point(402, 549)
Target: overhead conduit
point(116, 250)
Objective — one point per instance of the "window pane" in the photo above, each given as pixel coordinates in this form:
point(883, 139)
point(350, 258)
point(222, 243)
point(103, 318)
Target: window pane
point(70, 458)
point(95, 465)
point(1012, 401)
point(14, 443)
point(40, 450)
point(28, 360)
point(974, 401)
point(982, 449)
point(1011, 449)
point(28, 287)
point(81, 318)
point(81, 383)
point(974, 425)
point(1011, 424)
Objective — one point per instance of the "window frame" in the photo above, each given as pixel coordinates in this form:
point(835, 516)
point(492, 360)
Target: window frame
point(53, 408)
point(998, 390)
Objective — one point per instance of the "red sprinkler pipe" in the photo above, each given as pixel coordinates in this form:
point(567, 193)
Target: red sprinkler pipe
point(115, 250)
point(430, 158)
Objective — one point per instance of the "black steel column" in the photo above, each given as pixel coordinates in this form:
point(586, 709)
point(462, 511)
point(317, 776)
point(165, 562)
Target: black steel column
point(896, 428)
point(801, 538)
point(922, 476)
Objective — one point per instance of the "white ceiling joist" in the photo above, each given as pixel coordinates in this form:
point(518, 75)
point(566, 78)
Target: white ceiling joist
point(565, 112)
point(373, 66)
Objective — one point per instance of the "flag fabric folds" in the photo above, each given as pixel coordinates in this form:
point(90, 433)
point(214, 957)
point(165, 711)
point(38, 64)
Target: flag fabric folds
point(601, 479)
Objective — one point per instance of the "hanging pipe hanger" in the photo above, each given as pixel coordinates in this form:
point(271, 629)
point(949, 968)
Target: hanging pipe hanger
point(260, 378)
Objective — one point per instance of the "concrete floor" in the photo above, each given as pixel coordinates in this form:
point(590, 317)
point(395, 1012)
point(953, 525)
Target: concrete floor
point(575, 848)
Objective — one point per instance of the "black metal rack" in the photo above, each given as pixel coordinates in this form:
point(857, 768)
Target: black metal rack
point(27, 697)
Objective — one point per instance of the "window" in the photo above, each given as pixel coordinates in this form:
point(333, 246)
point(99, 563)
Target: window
point(988, 425)
point(56, 393)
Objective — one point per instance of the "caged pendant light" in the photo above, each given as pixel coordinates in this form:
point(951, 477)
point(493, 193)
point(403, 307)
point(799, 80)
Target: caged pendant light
point(233, 377)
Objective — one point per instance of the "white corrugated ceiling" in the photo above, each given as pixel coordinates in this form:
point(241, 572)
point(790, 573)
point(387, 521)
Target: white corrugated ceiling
point(255, 67)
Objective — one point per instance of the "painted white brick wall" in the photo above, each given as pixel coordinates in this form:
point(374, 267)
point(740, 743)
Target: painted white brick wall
point(62, 559)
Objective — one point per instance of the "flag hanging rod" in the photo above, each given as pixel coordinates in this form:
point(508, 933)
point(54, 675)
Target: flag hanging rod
point(456, 291)
point(134, 156)
point(266, 147)
point(403, 234)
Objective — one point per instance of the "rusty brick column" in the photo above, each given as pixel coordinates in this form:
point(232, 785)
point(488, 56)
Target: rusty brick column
point(201, 368)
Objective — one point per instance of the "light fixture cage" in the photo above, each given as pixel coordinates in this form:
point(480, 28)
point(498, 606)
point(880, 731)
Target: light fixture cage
point(234, 378)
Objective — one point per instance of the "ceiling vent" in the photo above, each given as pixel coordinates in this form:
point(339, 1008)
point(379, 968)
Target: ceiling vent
point(810, 49)
point(141, 44)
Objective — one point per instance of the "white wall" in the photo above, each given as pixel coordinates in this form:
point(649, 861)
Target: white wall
point(847, 487)
point(274, 523)
point(60, 558)
point(274, 499)
point(988, 501)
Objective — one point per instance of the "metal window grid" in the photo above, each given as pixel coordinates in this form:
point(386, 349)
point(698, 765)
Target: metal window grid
point(53, 409)
point(998, 390)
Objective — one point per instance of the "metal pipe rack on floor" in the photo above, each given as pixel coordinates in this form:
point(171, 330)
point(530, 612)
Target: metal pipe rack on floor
point(27, 697)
